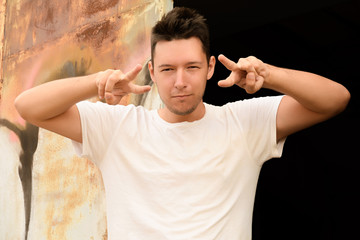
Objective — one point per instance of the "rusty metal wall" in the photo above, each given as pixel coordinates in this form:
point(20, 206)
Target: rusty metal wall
point(46, 191)
point(2, 24)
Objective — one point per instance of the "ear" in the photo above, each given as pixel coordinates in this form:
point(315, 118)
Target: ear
point(151, 70)
point(211, 67)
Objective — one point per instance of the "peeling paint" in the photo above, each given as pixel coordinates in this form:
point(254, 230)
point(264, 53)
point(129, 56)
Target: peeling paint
point(95, 34)
point(2, 31)
point(95, 6)
point(55, 194)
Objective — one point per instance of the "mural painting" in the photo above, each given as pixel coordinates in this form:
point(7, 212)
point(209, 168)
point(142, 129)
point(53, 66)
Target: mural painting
point(46, 190)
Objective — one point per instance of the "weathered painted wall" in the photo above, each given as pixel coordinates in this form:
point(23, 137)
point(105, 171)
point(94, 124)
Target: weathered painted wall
point(46, 191)
point(2, 24)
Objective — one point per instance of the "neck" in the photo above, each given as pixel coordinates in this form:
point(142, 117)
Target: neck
point(172, 117)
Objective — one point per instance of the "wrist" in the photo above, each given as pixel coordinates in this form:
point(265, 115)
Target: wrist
point(87, 86)
point(274, 75)
point(268, 76)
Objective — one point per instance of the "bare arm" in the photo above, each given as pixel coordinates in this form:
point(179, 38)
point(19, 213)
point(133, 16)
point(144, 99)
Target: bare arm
point(309, 99)
point(52, 105)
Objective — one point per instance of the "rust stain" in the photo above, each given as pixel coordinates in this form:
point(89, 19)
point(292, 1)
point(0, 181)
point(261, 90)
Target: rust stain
point(49, 16)
point(72, 186)
point(1, 85)
point(2, 32)
point(95, 33)
point(96, 6)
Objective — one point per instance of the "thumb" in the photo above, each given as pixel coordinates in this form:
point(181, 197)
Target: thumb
point(137, 89)
point(228, 82)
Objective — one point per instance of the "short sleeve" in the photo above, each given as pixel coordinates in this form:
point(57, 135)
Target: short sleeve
point(257, 119)
point(98, 124)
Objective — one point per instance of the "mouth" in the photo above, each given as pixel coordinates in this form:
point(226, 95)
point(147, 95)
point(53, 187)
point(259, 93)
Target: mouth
point(181, 96)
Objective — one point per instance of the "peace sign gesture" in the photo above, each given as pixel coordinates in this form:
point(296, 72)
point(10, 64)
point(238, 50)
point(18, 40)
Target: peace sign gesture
point(248, 73)
point(114, 84)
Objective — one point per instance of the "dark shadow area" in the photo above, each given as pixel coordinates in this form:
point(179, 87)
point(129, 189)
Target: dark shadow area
point(312, 191)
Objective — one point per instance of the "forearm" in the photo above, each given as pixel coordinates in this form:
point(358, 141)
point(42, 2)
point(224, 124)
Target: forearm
point(314, 92)
point(54, 98)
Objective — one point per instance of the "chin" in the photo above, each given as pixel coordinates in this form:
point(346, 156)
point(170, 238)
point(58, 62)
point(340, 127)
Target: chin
point(183, 111)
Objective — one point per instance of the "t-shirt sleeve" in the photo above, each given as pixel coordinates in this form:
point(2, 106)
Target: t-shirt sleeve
point(98, 125)
point(257, 121)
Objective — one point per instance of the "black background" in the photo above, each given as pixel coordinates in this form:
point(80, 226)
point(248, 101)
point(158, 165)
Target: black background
point(312, 192)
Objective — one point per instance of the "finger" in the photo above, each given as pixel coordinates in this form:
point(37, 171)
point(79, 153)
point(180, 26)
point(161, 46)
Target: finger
point(259, 82)
point(109, 97)
point(245, 65)
point(259, 66)
point(101, 81)
point(115, 77)
point(250, 83)
point(228, 82)
point(112, 99)
point(131, 75)
point(253, 83)
point(229, 64)
point(137, 89)
point(259, 79)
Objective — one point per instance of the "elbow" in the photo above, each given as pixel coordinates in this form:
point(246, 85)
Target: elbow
point(21, 107)
point(343, 99)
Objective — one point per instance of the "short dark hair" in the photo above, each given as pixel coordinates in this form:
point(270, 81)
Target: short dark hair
point(181, 23)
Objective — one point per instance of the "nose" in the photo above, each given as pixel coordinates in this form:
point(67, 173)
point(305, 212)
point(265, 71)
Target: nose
point(180, 80)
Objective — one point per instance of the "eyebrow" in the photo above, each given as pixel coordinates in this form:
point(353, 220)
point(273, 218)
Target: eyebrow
point(165, 65)
point(169, 65)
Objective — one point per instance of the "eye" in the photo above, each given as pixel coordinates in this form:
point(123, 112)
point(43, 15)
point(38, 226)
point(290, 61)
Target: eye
point(194, 67)
point(166, 69)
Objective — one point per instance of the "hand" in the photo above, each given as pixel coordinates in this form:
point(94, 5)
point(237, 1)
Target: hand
point(248, 73)
point(114, 84)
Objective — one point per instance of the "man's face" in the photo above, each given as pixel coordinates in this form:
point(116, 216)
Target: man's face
point(180, 71)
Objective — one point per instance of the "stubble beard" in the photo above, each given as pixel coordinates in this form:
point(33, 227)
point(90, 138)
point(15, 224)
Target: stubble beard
point(186, 111)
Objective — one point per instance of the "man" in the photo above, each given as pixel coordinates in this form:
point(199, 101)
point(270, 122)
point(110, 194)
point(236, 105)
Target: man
point(190, 169)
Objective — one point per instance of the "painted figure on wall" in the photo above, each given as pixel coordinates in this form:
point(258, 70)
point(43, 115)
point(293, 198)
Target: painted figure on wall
point(47, 192)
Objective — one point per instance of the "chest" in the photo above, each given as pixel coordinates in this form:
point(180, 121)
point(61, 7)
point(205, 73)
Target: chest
point(192, 157)
point(187, 175)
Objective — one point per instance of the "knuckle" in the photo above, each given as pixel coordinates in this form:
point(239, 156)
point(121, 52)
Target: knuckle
point(101, 83)
point(251, 58)
point(112, 78)
point(255, 65)
point(245, 64)
point(107, 72)
point(241, 60)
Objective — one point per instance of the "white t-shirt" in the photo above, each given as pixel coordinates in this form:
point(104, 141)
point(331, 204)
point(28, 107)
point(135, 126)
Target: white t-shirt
point(188, 180)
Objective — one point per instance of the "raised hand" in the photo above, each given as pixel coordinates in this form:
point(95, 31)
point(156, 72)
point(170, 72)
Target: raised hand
point(114, 84)
point(248, 73)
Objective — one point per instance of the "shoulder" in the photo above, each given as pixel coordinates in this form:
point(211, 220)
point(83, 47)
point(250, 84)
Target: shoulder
point(100, 106)
point(258, 101)
point(104, 111)
point(246, 110)
point(255, 105)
